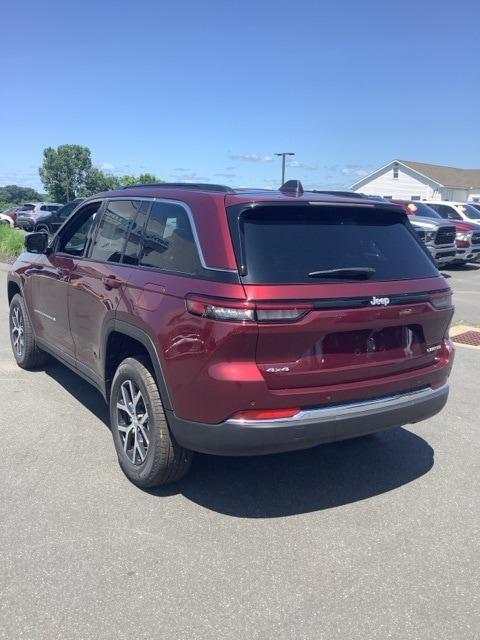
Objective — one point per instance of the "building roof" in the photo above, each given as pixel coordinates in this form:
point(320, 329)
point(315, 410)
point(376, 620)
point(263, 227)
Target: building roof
point(446, 176)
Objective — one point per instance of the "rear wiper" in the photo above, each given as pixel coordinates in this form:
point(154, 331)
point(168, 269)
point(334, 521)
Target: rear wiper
point(346, 272)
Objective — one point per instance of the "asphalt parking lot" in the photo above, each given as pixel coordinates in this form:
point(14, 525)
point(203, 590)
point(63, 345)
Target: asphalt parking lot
point(373, 538)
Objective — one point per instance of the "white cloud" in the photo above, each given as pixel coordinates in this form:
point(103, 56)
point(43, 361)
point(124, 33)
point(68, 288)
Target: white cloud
point(106, 166)
point(22, 179)
point(298, 164)
point(355, 170)
point(189, 177)
point(251, 157)
point(227, 176)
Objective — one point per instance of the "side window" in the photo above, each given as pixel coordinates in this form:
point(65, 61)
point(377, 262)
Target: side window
point(435, 207)
point(168, 241)
point(74, 240)
point(448, 212)
point(113, 230)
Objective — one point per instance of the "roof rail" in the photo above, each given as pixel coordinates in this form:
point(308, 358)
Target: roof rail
point(199, 186)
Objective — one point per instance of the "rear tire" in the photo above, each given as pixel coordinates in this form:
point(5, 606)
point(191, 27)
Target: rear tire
point(147, 452)
point(22, 338)
point(42, 227)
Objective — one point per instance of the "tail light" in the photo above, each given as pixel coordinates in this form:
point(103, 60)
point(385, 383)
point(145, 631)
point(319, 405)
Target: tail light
point(266, 414)
point(442, 300)
point(236, 311)
point(231, 311)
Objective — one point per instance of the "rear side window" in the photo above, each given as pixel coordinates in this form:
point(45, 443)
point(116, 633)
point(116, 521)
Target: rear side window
point(302, 244)
point(113, 230)
point(168, 241)
point(446, 212)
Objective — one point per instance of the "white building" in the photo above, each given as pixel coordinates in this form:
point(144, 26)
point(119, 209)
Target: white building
point(408, 180)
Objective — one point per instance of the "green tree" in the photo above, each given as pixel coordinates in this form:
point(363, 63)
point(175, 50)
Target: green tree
point(96, 181)
point(14, 194)
point(64, 170)
point(143, 178)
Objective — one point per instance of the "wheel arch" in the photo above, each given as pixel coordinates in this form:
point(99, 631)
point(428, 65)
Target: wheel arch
point(14, 285)
point(136, 342)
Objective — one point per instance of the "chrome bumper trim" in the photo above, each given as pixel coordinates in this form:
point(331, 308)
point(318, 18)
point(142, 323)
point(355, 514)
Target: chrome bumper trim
point(348, 410)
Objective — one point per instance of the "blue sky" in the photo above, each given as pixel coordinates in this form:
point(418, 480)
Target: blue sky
point(211, 90)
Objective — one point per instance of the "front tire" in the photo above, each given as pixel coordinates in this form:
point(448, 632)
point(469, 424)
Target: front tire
point(22, 337)
point(147, 452)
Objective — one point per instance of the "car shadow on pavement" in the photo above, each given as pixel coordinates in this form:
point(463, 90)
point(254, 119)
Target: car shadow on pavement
point(327, 476)
point(462, 267)
point(79, 389)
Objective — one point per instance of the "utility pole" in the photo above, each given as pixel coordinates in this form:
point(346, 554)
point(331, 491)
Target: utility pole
point(284, 155)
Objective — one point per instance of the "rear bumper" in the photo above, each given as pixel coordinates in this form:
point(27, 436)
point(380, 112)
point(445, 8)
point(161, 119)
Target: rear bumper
point(310, 427)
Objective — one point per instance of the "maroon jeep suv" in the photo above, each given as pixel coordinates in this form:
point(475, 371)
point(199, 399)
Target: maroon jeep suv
point(236, 322)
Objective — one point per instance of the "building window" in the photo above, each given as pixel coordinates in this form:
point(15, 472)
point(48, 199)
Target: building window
point(395, 173)
point(415, 198)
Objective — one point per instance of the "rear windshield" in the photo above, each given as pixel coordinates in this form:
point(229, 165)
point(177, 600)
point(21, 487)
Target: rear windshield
point(306, 244)
point(27, 207)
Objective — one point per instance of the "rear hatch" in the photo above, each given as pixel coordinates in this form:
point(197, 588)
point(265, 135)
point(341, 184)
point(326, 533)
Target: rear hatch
point(343, 292)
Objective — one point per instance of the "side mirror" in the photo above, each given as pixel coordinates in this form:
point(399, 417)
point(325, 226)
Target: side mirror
point(36, 242)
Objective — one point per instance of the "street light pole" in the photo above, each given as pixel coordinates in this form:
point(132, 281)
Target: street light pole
point(284, 155)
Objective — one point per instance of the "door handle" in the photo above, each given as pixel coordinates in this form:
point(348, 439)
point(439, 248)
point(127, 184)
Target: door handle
point(111, 282)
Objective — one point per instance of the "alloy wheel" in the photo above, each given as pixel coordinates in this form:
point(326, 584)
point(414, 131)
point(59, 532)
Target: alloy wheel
point(132, 422)
point(17, 331)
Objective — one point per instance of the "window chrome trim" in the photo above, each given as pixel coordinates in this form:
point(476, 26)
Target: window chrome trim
point(191, 219)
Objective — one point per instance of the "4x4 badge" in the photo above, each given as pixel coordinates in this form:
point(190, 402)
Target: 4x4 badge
point(379, 301)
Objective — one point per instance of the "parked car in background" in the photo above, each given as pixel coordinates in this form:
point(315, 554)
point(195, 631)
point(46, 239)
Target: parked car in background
point(53, 220)
point(455, 210)
point(11, 212)
point(31, 212)
point(476, 205)
point(467, 236)
point(236, 322)
point(420, 232)
point(439, 235)
point(467, 241)
point(4, 219)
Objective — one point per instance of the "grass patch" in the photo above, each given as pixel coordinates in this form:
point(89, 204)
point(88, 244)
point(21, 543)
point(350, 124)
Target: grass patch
point(12, 241)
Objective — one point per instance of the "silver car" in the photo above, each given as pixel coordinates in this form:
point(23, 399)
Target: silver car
point(32, 212)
